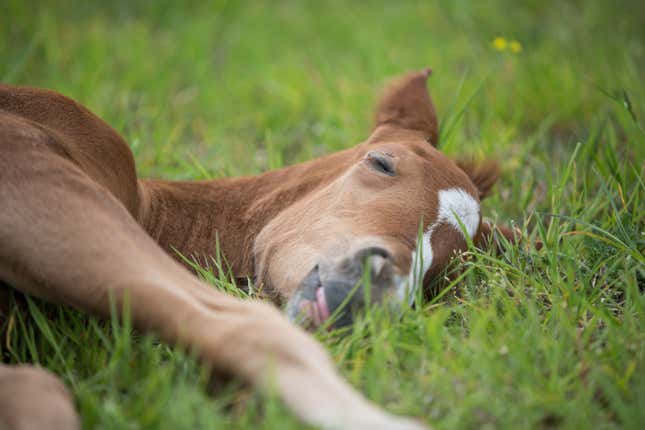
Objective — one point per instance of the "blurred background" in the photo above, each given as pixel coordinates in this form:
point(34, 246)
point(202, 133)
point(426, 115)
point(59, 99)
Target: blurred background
point(240, 87)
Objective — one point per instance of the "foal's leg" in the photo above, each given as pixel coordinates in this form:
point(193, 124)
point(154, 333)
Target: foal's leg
point(32, 398)
point(68, 240)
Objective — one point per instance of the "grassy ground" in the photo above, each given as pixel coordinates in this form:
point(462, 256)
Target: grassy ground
point(540, 339)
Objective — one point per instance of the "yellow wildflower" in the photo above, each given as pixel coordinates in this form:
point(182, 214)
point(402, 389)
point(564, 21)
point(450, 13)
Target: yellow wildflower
point(499, 44)
point(515, 46)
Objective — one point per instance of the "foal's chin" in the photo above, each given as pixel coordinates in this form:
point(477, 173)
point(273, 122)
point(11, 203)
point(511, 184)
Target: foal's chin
point(332, 294)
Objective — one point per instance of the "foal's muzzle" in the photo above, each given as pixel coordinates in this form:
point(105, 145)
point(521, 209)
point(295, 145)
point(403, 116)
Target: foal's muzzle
point(332, 293)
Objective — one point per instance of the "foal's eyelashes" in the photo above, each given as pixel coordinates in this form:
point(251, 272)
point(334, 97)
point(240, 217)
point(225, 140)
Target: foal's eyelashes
point(381, 162)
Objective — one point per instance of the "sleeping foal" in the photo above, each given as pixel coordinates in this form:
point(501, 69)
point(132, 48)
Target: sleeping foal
point(78, 227)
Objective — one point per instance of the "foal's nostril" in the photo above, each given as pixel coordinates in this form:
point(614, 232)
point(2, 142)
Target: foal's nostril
point(376, 263)
point(335, 289)
point(373, 250)
point(375, 257)
point(345, 293)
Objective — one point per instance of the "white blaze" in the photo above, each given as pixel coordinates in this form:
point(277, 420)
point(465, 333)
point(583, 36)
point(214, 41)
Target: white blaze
point(457, 208)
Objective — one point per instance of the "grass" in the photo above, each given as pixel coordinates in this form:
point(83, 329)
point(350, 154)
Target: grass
point(525, 339)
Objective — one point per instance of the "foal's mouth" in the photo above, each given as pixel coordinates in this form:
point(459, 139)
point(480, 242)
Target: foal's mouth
point(332, 294)
point(308, 307)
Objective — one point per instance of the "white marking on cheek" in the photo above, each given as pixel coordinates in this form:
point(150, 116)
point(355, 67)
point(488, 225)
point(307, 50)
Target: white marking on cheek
point(455, 206)
point(422, 257)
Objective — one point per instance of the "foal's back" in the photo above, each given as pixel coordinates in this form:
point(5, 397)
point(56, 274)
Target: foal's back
point(66, 128)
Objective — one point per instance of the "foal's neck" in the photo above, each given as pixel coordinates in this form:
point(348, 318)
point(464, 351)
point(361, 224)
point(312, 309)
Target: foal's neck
point(193, 218)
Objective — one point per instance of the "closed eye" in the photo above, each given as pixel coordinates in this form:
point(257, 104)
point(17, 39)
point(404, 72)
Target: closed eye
point(381, 163)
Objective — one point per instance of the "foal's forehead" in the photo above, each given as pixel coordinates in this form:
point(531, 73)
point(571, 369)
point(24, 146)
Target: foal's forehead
point(455, 198)
point(432, 169)
point(440, 171)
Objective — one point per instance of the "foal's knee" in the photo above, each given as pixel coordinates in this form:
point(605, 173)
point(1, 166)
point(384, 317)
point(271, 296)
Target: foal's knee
point(32, 398)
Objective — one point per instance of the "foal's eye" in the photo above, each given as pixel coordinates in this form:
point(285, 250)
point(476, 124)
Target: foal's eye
point(381, 162)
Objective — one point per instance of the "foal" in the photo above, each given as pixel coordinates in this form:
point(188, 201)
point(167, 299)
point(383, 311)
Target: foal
point(78, 227)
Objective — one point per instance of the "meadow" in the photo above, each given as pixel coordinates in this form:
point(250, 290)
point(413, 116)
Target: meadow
point(525, 338)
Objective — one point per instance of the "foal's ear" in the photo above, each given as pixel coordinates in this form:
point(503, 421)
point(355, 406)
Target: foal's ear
point(489, 237)
point(406, 104)
point(483, 174)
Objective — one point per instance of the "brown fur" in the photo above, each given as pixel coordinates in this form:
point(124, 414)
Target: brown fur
point(407, 105)
point(79, 228)
point(484, 174)
point(32, 398)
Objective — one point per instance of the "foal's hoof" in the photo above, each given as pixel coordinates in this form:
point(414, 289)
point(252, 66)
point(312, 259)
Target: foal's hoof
point(33, 398)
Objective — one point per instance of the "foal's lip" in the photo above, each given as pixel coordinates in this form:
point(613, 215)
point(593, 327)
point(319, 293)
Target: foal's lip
point(316, 310)
point(321, 303)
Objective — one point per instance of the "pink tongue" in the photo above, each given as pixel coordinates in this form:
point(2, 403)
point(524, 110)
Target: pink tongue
point(321, 304)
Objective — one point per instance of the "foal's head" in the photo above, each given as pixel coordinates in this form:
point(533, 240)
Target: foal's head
point(375, 201)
